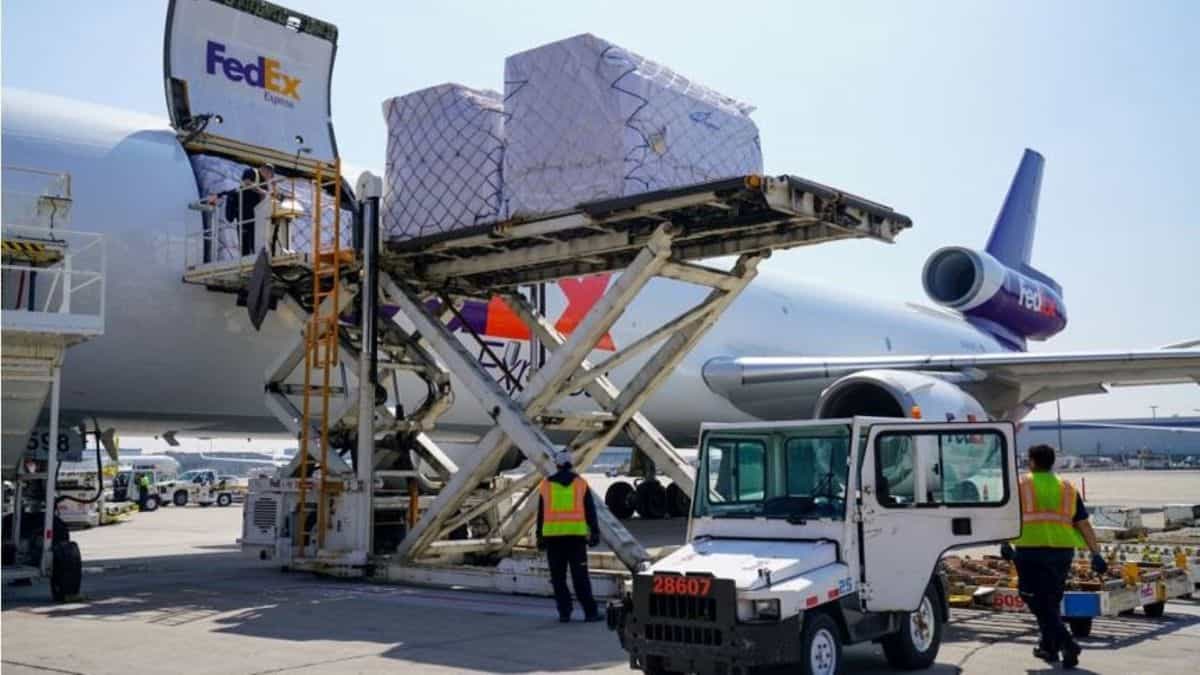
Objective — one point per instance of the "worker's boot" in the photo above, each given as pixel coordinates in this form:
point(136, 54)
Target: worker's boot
point(1047, 655)
point(1070, 654)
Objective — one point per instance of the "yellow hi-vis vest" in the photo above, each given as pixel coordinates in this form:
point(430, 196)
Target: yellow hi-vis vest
point(563, 512)
point(1047, 513)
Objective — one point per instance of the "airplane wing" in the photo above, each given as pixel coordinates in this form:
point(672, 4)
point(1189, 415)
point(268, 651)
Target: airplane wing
point(999, 381)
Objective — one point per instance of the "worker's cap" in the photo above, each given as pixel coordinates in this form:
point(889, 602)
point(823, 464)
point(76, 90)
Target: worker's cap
point(562, 458)
point(267, 167)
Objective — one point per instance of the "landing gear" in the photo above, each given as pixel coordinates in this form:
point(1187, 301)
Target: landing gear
point(621, 500)
point(679, 504)
point(648, 500)
point(651, 499)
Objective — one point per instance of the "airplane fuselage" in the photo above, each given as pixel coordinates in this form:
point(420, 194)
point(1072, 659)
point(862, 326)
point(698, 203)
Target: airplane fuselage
point(176, 356)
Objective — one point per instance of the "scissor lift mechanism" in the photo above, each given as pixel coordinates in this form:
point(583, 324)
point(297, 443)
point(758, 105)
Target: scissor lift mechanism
point(659, 234)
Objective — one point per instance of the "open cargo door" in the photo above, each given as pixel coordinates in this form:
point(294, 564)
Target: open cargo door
point(251, 79)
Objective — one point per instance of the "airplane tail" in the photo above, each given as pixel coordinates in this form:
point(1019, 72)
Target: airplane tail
point(1011, 240)
point(1000, 292)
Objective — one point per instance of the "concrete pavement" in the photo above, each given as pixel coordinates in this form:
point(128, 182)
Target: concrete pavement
point(205, 609)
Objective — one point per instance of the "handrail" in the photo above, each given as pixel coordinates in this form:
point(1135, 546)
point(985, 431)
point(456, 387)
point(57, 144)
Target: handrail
point(219, 240)
point(80, 265)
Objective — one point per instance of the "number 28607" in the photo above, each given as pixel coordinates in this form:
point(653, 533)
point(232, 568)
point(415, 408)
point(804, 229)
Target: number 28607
point(670, 584)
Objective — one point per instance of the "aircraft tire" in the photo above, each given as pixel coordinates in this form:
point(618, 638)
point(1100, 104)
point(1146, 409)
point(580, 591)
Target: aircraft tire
point(651, 499)
point(620, 499)
point(66, 576)
point(679, 504)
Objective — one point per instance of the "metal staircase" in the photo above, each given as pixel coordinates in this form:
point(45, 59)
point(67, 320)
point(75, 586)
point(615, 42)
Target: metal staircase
point(321, 349)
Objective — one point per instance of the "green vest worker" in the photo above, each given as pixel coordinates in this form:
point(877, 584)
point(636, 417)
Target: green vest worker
point(566, 526)
point(1054, 522)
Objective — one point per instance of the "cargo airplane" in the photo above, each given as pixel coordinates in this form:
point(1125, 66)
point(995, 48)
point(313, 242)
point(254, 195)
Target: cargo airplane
point(178, 358)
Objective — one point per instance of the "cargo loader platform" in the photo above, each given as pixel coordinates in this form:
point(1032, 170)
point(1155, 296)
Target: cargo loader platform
point(463, 522)
point(725, 217)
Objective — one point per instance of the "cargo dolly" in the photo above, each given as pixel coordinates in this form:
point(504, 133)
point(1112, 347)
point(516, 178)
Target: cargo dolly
point(992, 584)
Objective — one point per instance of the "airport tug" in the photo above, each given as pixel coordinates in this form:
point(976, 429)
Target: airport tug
point(805, 536)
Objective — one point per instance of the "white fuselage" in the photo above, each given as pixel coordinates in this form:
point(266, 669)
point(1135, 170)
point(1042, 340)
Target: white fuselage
point(178, 357)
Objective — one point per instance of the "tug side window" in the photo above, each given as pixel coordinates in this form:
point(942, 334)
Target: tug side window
point(941, 468)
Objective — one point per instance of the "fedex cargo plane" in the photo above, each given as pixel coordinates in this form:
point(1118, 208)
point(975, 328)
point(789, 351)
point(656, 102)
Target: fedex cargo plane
point(177, 358)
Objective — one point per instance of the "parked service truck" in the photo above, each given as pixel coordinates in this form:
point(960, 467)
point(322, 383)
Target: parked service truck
point(806, 536)
point(198, 486)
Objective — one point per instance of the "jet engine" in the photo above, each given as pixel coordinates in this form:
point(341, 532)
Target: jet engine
point(898, 393)
point(1023, 304)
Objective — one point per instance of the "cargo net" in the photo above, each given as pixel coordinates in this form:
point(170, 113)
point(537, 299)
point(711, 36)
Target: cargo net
point(243, 220)
point(444, 158)
point(587, 120)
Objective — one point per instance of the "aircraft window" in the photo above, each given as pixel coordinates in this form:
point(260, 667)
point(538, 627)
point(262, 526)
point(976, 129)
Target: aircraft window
point(941, 468)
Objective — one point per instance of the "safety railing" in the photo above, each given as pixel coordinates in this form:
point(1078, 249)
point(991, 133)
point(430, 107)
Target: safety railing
point(35, 197)
point(52, 279)
point(275, 214)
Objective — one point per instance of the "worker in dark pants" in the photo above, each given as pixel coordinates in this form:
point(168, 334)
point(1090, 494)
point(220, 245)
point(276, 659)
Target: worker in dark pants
point(566, 526)
point(1054, 522)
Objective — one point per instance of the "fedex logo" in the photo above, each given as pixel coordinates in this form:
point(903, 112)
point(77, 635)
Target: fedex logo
point(496, 319)
point(278, 87)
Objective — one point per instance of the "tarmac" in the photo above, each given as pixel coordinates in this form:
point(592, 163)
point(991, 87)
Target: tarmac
point(170, 592)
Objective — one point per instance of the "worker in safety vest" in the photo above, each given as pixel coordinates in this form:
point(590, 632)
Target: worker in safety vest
point(1054, 522)
point(143, 484)
point(566, 526)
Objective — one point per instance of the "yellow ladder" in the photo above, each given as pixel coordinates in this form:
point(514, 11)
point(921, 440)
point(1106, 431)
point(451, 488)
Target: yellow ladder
point(321, 352)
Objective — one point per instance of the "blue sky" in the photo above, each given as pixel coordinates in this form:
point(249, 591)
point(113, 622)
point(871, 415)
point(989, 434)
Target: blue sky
point(922, 105)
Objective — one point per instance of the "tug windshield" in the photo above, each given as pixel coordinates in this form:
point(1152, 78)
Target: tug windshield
point(795, 474)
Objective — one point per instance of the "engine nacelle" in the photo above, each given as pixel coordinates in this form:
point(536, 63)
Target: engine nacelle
point(897, 393)
point(1026, 303)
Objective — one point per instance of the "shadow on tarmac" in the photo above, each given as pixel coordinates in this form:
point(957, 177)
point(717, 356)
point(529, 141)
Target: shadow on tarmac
point(1108, 633)
point(218, 593)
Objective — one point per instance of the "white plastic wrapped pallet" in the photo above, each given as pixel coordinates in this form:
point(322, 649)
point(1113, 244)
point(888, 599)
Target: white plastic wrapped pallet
point(444, 159)
point(587, 120)
point(215, 175)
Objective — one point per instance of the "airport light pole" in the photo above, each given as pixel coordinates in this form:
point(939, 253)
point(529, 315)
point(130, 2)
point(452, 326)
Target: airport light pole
point(1058, 408)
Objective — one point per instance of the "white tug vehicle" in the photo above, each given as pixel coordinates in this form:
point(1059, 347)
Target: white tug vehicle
point(806, 536)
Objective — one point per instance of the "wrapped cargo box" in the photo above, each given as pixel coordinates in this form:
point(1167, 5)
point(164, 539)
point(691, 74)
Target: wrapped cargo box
point(444, 158)
point(587, 120)
point(217, 175)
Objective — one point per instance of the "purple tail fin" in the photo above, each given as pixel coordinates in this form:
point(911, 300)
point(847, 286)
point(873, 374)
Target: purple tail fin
point(1011, 241)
